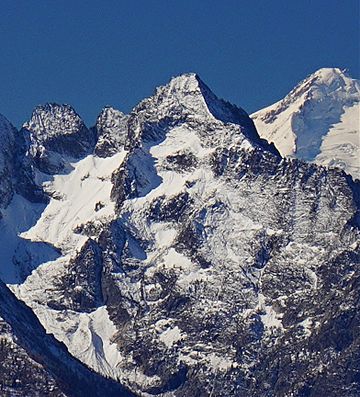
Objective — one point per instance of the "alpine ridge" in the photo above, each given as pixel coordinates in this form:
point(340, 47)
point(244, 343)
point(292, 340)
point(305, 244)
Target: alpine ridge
point(173, 252)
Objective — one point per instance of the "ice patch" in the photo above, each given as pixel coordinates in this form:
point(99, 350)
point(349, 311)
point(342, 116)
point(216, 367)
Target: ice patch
point(171, 336)
point(307, 325)
point(271, 319)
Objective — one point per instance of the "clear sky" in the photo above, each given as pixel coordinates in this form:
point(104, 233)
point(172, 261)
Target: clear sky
point(115, 52)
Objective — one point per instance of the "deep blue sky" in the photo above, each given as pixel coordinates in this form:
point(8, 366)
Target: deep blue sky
point(93, 53)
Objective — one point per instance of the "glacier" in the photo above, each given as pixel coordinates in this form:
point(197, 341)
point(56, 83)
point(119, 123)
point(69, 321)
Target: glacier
point(318, 121)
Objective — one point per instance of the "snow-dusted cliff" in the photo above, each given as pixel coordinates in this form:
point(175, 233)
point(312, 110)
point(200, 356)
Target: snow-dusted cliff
point(56, 135)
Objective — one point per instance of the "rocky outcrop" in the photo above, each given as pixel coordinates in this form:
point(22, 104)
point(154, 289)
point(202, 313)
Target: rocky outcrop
point(7, 158)
point(55, 135)
point(80, 284)
point(111, 130)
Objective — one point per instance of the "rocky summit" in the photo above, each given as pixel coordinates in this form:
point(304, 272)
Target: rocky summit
point(174, 252)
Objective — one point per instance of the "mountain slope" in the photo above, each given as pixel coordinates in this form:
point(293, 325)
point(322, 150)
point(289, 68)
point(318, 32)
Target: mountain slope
point(40, 354)
point(191, 259)
point(319, 120)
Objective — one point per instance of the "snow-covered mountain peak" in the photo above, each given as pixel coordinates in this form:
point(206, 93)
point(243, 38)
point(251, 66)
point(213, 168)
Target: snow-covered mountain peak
point(193, 94)
point(330, 75)
point(186, 100)
point(332, 82)
point(51, 120)
point(111, 131)
point(181, 98)
point(56, 133)
point(317, 121)
point(327, 74)
point(186, 82)
point(108, 116)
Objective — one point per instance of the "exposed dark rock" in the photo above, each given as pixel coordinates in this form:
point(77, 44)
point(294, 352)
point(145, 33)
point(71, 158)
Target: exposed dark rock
point(111, 130)
point(56, 134)
point(81, 283)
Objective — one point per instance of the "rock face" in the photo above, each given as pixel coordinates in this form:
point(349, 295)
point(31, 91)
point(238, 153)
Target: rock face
point(111, 132)
point(192, 260)
point(16, 174)
point(80, 286)
point(7, 154)
point(317, 121)
point(56, 134)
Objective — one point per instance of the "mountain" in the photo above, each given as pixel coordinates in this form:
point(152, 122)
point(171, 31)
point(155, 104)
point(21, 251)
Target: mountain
point(176, 252)
point(318, 121)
